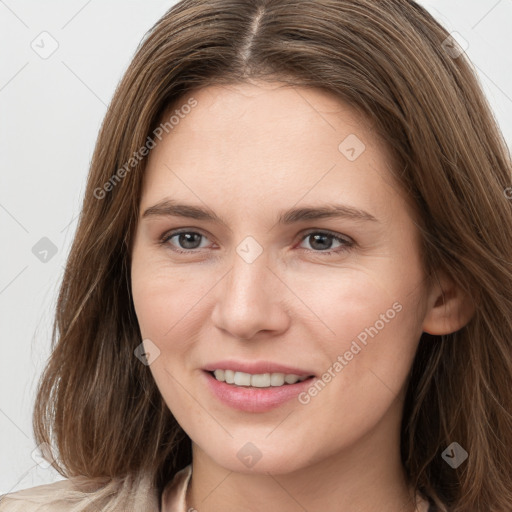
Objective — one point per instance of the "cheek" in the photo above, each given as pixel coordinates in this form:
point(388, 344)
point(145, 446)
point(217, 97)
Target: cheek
point(169, 304)
point(348, 302)
point(161, 295)
point(164, 305)
point(372, 321)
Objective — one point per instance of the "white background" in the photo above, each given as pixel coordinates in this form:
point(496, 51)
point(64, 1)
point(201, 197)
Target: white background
point(50, 113)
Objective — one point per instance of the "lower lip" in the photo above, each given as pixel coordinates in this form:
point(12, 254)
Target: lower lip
point(251, 399)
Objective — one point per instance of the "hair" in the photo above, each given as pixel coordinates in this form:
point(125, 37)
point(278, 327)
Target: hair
point(100, 408)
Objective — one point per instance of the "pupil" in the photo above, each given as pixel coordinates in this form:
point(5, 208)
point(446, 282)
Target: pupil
point(184, 239)
point(316, 237)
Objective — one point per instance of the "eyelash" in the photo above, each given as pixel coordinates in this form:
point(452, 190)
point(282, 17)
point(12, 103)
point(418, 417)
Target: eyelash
point(347, 242)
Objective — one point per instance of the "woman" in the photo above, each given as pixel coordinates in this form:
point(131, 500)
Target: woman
point(208, 354)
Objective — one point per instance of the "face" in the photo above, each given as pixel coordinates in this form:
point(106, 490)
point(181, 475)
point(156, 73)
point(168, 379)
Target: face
point(266, 283)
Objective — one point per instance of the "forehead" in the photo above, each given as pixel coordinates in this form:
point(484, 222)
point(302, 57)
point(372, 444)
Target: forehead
point(267, 106)
point(255, 141)
point(264, 115)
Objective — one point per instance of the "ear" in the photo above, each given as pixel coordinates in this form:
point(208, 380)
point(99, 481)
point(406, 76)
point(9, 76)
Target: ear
point(449, 308)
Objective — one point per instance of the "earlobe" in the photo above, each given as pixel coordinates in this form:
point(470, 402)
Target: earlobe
point(449, 307)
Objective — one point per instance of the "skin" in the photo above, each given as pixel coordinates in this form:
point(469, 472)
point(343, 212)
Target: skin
point(247, 152)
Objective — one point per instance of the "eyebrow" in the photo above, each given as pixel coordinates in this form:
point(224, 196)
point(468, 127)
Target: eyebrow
point(171, 208)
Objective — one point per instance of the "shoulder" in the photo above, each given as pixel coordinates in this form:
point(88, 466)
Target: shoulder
point(35, 498)
point(132, 493)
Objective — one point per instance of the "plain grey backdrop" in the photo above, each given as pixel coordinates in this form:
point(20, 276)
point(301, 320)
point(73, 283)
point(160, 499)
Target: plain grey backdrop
point(60, 63)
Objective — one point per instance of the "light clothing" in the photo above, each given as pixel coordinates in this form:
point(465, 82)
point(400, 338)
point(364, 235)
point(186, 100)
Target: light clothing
point(81, 494)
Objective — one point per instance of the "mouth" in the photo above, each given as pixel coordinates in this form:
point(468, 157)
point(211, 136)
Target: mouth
point(256, 392)
point(257, 380)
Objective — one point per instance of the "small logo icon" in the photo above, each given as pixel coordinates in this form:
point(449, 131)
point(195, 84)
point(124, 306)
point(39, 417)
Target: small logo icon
point(352, 147)
point(454, 455)
point(45, 45)
point(42, 455)
point(249, 454)
point(248, 249)
point(44, 250)
point(147, 352)
point(455, 45)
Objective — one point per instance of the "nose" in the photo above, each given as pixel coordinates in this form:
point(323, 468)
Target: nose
point(251, 299)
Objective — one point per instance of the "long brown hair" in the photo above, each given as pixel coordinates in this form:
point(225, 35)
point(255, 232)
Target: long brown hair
point(100, 407)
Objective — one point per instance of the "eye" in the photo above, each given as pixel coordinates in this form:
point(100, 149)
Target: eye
point(187, 239)
point(321, 239)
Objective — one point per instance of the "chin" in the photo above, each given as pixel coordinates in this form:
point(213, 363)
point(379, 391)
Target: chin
point(257, 457)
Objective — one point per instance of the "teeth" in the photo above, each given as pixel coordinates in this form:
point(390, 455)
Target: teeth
point(219, 375)
point(277, 379)
point(242, 379)
point(261, 380)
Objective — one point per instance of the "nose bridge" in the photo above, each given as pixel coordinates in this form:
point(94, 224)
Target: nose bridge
point(249, 276)
point(249, 299)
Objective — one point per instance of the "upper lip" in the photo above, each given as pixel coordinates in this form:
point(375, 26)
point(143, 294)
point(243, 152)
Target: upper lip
point(257, 367)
